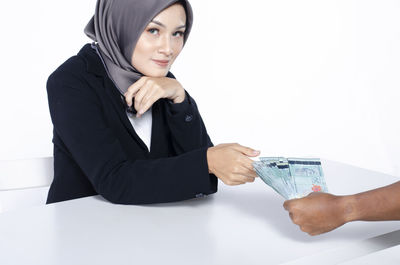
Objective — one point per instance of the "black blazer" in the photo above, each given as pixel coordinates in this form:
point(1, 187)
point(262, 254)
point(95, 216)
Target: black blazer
point(96, 150)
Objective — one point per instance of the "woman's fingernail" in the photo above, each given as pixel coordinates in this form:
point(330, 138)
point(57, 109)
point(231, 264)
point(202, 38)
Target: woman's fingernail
point(256, 152)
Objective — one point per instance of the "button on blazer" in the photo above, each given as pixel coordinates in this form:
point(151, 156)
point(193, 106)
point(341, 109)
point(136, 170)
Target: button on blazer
point(96, 149)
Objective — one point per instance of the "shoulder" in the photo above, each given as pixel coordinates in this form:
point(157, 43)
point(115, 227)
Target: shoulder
point(76, 67)
point(71, 70)
point(79, 72)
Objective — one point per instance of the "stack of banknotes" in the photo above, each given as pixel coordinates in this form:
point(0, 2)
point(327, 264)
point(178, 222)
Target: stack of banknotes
point(291, 177)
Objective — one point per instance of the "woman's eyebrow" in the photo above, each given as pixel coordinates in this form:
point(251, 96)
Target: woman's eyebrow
point(162, 25)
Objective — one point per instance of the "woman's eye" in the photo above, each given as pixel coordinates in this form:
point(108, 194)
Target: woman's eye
point(153, 31)
point(179, 34)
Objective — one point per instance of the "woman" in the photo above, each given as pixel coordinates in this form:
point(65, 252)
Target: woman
point(124, 127)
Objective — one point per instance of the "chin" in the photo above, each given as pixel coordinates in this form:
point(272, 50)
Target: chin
point(157, 73)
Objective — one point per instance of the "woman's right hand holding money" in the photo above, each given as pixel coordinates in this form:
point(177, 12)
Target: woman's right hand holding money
point(231, 163)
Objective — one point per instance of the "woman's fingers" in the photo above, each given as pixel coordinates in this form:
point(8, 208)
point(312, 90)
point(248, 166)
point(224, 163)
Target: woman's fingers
point(251, 173)
point(231, 164)
point(242, 174)
point(238, 180)
point(245, 170)
point(140, 95)
point(148, 93)
point(246, 150)
point(248, 164)
point(148, 100)
point(145, 97)
point(148, 90)
point(133, 90)
point(233, 183)
point(248, 174)
point(249, 179)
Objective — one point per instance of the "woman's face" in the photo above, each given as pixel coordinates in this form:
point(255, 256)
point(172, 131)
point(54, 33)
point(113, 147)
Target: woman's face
point(161, 42)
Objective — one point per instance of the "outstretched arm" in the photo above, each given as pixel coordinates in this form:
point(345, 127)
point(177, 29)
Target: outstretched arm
point(322, 212)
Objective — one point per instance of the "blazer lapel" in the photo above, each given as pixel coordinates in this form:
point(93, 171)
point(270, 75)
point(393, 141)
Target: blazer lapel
point(116, 100)
point(95, 65)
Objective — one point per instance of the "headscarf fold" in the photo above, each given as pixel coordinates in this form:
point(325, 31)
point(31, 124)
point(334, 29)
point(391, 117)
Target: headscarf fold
point(116, 27)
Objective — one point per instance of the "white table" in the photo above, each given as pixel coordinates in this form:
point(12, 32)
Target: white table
point(389, 256)
point(239, 225)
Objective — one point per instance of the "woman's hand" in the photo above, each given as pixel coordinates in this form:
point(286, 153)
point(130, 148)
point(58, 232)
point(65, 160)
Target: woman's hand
point(318, 212)
point(231, 163)
point(148, 90)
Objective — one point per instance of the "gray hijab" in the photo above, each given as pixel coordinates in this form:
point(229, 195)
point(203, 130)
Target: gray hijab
point(116, 27)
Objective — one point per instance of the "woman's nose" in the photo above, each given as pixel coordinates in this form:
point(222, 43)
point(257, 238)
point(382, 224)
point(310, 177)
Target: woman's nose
point(166, 46)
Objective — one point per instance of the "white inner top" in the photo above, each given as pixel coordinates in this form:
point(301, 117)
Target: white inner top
point(142, 126)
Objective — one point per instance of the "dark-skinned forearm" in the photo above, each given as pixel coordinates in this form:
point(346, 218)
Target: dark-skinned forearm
point(380, 204)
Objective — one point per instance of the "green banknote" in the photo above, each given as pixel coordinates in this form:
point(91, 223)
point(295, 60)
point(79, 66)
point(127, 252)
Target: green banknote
point(281, 169)
point(267, 173)
point(308, 175)
point(291, 177)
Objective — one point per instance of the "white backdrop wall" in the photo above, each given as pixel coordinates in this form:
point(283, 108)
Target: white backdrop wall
point(287, 77)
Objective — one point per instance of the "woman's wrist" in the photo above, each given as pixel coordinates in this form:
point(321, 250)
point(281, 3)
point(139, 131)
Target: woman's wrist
point(210, 159)
point(179, 96)
point(179, 99)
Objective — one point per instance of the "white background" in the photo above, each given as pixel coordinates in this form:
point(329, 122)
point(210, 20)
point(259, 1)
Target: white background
point(290, 78)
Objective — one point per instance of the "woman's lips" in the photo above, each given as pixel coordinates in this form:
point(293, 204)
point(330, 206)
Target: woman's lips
point(162, 63)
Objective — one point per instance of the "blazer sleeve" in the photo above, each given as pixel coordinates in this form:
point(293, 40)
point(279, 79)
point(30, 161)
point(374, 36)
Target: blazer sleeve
point(186, 125)
point(77, 117)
